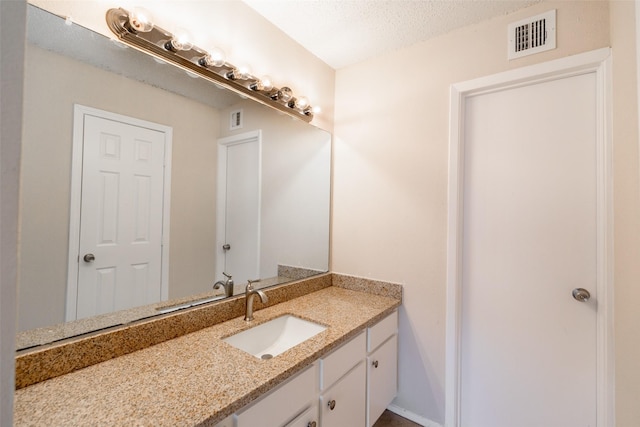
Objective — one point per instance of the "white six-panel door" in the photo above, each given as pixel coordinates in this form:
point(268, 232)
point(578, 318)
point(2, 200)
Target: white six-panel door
point(120, 253)
point(529, 226)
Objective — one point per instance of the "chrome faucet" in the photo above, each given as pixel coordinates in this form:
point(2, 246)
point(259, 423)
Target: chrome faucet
point(249, 293)
point(227, 284)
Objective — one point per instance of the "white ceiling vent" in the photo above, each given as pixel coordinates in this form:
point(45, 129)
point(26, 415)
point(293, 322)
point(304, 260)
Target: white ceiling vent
point(532, 35)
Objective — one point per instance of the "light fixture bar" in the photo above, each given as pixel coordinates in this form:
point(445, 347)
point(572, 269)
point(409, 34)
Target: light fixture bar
point(156, 42)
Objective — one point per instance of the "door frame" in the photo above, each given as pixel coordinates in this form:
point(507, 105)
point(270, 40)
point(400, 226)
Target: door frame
point(221, 193)
point(79, 113)
point(598, 62)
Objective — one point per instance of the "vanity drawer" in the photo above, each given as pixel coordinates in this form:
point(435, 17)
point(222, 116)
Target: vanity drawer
point(378, 333)
point(282, 404)
point(340, 361)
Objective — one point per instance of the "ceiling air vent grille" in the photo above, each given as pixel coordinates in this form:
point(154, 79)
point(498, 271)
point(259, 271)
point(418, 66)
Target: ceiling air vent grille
point(532, 35)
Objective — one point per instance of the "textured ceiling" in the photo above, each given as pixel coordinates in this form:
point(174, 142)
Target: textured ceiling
point(345, 32)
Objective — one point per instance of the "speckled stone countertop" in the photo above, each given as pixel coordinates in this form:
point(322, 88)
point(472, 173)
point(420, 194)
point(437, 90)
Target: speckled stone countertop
point(195, 379)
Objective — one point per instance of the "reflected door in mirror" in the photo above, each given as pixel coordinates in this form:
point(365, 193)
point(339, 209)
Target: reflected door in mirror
point(240, 179)
point(121, 216)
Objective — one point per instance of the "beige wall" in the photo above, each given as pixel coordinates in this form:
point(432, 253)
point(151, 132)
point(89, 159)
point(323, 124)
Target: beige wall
point(50, 93)
point(245, 36)
point(626, 213)
point(390, 176)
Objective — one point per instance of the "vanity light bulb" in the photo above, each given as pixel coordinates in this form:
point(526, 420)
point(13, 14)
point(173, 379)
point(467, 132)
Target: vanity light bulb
point(286, 94)
point(182, 40)
point(243, 72)
point(264, 84)
point(140, 20)
point(302, 102)
point(215, 58)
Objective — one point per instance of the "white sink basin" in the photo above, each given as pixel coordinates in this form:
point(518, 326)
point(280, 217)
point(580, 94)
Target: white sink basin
point(275, 336)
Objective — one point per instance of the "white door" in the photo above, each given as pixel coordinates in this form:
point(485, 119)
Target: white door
point(239, 177)
point(120, 262)
point(530, 222)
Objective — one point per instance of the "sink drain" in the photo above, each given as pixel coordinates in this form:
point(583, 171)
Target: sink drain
point(266, 356)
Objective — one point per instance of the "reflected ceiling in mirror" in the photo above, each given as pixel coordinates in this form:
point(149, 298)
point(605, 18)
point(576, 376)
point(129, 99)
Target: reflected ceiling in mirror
point(69, 66)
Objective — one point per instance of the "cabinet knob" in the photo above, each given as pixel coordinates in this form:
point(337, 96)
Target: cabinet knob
point(331, 404)
point(311, 424)
point(375, 363)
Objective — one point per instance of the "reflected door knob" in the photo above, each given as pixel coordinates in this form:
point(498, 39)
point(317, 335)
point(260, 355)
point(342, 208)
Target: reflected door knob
point(226, 246)
point(89, 258)
point(581, 294)
point(331, 404)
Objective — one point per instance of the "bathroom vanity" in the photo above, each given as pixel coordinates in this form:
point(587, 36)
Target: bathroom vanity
point(344, 375)
point(351, 386)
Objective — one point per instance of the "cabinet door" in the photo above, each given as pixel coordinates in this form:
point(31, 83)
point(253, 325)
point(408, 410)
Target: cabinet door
point(308, 418)
point(382, 367)
point(283, 404)
point(343, 405)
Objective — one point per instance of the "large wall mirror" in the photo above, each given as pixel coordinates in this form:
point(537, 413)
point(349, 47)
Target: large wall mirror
point(225, 172)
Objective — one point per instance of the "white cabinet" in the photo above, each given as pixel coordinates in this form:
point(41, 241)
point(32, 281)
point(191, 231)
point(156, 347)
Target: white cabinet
point(382, 378)
point(283, 404)
point(343, 385)
point(343, 405)
point(349, 387)
point(382, 366)
point(308, 418)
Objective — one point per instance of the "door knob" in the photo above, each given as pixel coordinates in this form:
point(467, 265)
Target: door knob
point(89, 258)
point(331, 404)
point(226, 246)
point(581, 294)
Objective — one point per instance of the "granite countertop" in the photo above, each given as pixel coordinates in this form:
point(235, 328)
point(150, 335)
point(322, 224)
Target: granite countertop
point(195, 379)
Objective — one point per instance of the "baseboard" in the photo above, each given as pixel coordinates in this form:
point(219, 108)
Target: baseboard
point(413, 417)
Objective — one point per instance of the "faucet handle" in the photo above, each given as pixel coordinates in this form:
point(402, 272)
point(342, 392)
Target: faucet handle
point(250, 284)
point(228, 276)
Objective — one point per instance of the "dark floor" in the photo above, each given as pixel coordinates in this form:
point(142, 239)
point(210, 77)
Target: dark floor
point(389, 419)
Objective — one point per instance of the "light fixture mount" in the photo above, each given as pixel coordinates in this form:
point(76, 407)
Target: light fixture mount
point(157, 42)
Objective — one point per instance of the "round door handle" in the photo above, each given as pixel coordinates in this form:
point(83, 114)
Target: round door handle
point(226, 246)
point(375, 363)
point(89, 258)
point(581, 294)
point(311, 424)
point(331, 404)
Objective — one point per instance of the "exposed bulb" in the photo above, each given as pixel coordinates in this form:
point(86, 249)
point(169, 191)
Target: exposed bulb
point(215, 58)
point(286, 94)
point(182, 40)
point(264, 84)
point(302, 102)
point(241, 73)
point(140, 20)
